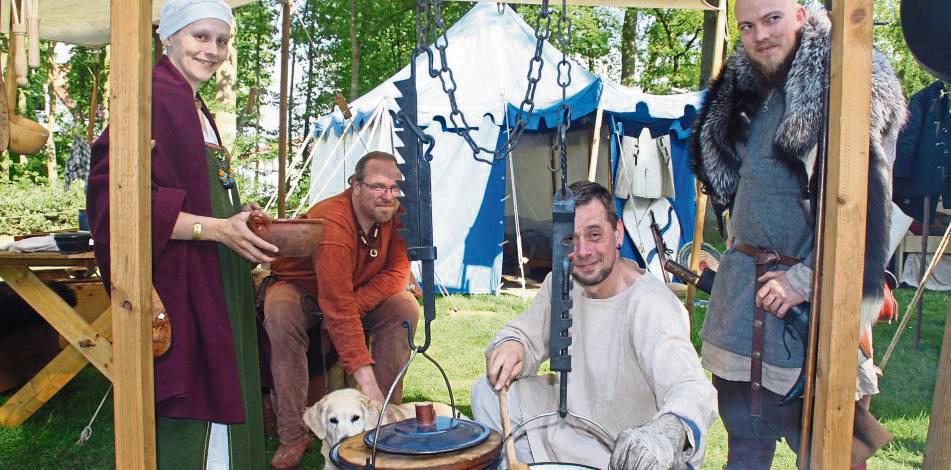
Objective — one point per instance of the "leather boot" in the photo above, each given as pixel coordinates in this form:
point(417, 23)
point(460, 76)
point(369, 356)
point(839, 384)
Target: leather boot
point(290, 456)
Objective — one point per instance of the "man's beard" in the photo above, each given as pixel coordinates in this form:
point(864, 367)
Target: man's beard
point(598, 278)
point(769, 78)
point(381, 217)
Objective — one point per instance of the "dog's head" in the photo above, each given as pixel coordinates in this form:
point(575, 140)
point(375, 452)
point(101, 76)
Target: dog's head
point(342, 414)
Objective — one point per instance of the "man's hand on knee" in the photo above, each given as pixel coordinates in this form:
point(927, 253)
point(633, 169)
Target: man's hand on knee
point(504, 363)
point(367, 384)
point(657, 444)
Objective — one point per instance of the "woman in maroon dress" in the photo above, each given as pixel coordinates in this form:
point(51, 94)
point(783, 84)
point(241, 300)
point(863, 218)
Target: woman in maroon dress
point(208, 384)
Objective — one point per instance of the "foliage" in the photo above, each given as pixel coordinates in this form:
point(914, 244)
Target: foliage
point(671, 59)
point(888, 38)
point(28, 205)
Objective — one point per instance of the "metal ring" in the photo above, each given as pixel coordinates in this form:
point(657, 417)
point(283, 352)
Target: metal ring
point(583, 419)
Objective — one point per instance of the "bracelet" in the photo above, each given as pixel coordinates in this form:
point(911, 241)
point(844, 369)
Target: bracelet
point(196, 232)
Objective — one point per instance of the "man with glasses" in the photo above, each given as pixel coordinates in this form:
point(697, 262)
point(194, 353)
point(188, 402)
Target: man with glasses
point(358, 275)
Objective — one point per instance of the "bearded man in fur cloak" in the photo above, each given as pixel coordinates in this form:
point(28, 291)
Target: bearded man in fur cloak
point(754, 151)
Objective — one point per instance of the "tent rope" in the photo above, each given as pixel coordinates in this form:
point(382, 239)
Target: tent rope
point(86, 433)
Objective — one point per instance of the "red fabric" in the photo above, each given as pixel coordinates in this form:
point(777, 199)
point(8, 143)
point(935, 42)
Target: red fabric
point(348, 282)
point(198, 377)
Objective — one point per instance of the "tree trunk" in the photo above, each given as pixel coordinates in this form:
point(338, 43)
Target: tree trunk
point(290, 108)
point(629, 47)
point(51, 177)
point(354, 53)
point(226, 97)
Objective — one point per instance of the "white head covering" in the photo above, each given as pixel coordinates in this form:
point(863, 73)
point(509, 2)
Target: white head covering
point(176, 14)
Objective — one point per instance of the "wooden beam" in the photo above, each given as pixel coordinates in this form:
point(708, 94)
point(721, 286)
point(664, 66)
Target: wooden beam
point(843, 246)
point(715, 44)
point(595, 144)
point(938, 447)
point(130, 219)
point(50, 380)
point(61, 316)
point(681, 4)
point(282, 126)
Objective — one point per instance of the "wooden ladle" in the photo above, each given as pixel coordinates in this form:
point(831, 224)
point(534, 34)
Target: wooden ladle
point(514, 464)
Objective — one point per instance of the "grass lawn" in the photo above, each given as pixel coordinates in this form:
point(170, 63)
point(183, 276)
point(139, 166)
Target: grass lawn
point(47, 440)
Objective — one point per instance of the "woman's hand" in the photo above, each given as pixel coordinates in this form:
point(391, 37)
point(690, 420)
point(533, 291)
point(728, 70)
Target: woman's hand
point(251, 206)
point(234, 233)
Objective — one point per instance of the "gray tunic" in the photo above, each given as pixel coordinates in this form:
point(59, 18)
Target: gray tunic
point(632, 361)
point(768, 212)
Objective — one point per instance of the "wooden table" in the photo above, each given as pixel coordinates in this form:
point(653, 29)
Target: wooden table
point(88, 343)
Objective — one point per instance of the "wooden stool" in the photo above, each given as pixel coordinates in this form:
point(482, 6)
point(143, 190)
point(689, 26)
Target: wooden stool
point(353, 454)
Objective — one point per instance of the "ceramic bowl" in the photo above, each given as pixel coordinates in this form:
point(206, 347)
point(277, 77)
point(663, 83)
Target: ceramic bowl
point(293, 237)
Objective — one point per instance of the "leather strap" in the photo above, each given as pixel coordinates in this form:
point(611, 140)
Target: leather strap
point(766, 255)
point(765, 259)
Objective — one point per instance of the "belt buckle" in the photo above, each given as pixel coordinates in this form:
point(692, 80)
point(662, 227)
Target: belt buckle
point(769, 257)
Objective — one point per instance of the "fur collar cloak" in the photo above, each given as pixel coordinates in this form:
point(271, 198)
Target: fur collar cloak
point(731, 101)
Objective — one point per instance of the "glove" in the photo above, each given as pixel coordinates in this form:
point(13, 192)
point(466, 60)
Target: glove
point(657, 445)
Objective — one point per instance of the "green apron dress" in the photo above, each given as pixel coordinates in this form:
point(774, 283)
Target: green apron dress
point(183, 444)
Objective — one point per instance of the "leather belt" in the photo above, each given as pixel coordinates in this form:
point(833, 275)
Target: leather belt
point(765, 259)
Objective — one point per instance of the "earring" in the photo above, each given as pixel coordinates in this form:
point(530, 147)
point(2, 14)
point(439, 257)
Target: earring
point(619, 246)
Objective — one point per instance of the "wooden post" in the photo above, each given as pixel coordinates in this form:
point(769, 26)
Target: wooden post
point(925, 232)
point(595, 143)
point(713, 51)
point(282, 126)
point(131, 235)
point(714, 40)
point(843, 246)
point(106, 64)
point(938, 447)
point(93, 106)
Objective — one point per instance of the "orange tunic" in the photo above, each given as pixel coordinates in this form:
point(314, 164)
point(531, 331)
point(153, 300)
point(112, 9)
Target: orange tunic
point(347, 281)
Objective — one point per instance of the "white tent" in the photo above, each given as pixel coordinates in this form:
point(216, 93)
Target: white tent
point(489, 52)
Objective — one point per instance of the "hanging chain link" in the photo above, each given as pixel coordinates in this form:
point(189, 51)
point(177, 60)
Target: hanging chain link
point(563, 38)
point(449, 85)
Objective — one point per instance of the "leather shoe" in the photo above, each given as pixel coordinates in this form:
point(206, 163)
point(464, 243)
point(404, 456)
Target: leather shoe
point(290, 456)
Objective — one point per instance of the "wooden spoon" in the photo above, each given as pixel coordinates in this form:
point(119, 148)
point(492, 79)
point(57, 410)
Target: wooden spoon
point(514, 464)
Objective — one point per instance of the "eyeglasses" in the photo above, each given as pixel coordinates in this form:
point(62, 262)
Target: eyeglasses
point(377, 188)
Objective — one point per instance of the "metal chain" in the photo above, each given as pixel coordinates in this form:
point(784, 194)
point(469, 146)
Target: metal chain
point(563, 38)
point(449, 85)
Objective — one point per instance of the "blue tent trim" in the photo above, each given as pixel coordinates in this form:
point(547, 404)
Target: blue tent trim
point(582, 103)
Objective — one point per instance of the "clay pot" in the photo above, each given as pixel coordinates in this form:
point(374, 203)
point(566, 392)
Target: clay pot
point(293, 237)
point(26, 136)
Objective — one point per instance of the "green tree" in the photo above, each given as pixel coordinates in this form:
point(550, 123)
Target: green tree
point(889, 39)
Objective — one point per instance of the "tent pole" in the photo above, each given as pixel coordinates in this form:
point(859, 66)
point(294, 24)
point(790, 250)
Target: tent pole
point(518, 228)
point(716, 62)
point(595, 143)
point(282, 123)
point(938, 446)
point(131, 234)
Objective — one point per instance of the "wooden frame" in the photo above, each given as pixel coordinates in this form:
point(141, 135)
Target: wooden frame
point(131, 235)
point(87, 343)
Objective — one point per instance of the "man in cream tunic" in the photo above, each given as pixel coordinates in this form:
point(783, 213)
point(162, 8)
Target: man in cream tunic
point(634, 370)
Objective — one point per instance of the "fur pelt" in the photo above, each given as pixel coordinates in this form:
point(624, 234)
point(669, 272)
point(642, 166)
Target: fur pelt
point(725, 117)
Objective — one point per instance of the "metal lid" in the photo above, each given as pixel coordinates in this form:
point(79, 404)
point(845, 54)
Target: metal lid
point(447, 435)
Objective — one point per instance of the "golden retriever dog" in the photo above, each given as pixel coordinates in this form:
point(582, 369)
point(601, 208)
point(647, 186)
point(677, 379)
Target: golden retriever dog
point(348, 412)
